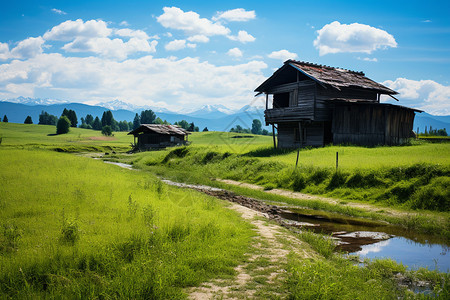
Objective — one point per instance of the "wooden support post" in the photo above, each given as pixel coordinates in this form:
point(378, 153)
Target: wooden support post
point(273, 134)
point(267, 101)
point(337, 160)
point(300, 140)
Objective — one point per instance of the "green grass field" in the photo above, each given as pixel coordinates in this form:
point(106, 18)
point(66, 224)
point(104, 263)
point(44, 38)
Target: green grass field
point(74, 227)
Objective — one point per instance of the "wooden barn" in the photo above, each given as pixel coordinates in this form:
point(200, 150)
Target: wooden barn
point(315, 105)
point(154, 136)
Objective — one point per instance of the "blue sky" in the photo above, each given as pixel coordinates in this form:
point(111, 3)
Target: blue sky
point(184, 54)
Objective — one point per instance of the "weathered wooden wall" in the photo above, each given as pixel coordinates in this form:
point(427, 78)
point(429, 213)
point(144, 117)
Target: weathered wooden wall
point(309, 134)
point(370, 125)
point(155, 140)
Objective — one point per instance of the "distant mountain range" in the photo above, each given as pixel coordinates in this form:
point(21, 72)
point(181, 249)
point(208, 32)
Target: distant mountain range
point(215, 117)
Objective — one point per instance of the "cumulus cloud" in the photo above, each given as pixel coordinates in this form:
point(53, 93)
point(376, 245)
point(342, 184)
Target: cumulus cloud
point(4, 51)
point(112, 48)
point(58, 11)
point(94, 36)
point(190, 22)
point(198, 38)
point(126, 32)
point(236, 15)
point(282, 55)
point(234, 52)
point(124, 23)
point(243, 37)
point(28, 48)
point(336, 37)
point(175, 45)
point(102, 79)
point(70, 30)
point(427, 95)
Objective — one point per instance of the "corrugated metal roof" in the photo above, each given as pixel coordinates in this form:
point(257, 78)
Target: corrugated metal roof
point(161, 129)
point(338, 77)
point(335, 77)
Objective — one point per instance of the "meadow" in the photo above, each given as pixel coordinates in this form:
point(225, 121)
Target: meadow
point(74, 227)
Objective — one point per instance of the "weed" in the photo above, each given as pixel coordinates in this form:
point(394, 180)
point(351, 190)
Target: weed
point(132, 207)
point(9, 240)
point(70, 233)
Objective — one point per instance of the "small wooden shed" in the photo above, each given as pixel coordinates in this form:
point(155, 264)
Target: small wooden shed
point(315, 105)
point(155, 136)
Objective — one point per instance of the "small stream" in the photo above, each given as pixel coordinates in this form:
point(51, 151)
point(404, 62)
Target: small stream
point(363, 237)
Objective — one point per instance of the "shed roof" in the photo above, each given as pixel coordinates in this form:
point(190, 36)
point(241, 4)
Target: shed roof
point(326, 76)
point(160, 128)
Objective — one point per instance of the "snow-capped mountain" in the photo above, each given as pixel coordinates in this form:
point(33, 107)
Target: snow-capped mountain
point(212, 111)
point(34, 101)
point(118, 104)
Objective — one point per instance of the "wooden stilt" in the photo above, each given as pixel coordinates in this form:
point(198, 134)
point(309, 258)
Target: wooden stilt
point(273, 134)
point(300, 136)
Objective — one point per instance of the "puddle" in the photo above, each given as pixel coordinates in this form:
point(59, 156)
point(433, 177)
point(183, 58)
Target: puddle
point(366, 238)
point(373, 239)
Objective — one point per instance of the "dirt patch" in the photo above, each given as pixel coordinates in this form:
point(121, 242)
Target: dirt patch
point(264, 272)
point(302, 196)
point(102, 138)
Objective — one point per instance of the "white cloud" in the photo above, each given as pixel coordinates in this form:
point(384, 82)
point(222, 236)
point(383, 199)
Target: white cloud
point(4, 51)
point(236, 15)
point(58, 11)
point(190, 22)
point(191, 45)
point(243, 37)
point(282, 55)
point(94, 36)
point(198, 38)
point(70, 30)
point(102, 79)
point(25, 49)
point(124, 23)
point(175, 45)
point(426, 95)
point(336, 37)
point(374, 59)
point(234, 52)
point(112, 48)
point(126, 32)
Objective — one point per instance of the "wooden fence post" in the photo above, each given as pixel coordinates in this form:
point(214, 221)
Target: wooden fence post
point(337, 160)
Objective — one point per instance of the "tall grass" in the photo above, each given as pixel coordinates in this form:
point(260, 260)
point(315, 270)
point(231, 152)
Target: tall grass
point(78, 228)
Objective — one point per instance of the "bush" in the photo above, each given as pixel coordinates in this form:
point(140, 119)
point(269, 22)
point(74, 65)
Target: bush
point(106, 130)
point(63, 125)
point(28, 120)
point(434, 196)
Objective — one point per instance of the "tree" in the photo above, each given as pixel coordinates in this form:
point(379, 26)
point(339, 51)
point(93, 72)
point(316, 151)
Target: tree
point(183, 124)
point(97, 125)
point(205, 129)
point(265, 132)
point(47, 119)
point(256, 127)
point(106, 130)
point(148, 117)
point(136, 121)
point(107, 118)
point(63, 125)
point(28, 120)
point(5, 119)
point(89, 119)
point(191, 127)
point(71, 115)
point(159, 121)
point(123, 126)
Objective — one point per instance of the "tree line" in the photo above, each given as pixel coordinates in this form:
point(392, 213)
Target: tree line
point(107, 124)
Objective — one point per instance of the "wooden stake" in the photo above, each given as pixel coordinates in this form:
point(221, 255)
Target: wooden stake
point(337, 160)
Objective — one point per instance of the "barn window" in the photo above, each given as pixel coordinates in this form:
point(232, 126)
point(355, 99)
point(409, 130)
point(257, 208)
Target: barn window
point(281, 100)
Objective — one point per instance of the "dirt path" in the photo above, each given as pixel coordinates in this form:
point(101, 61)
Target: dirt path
point(302, 196)
point(263, 272)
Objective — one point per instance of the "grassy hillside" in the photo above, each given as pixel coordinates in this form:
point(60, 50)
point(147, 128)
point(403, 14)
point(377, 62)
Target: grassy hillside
point(78, 139)
point(80, 228)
